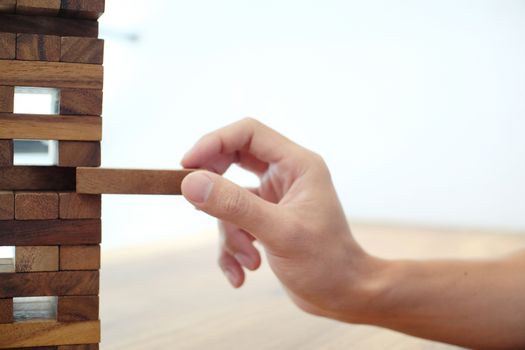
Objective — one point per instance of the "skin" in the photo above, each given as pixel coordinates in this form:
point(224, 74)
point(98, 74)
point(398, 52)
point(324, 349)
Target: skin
point(297, 217)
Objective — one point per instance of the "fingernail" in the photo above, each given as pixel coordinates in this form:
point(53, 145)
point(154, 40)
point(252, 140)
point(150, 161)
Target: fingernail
point(197, 187)
point(243, 259)
point(231, 276)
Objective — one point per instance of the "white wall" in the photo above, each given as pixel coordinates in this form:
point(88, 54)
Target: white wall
point(418, 106)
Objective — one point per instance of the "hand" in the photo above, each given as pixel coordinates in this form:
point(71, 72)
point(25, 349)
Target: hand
point(294, 213)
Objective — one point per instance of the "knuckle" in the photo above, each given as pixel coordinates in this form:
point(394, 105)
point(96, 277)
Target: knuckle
point(234, 203)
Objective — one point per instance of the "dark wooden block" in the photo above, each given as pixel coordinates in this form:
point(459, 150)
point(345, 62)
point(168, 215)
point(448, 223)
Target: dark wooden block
point(50, 232)
point(90, 9)
point(80, 102)
point(78, 153)
point(48, 25)
point(82, 50)
point(7, 205)
point(80, 206)
point(39, 178)
point(38, 7)
point(6, 310)
point(7, 6)
point(36, 205)
point(77, 308)
point(36, 259)
point(37, 47)
point(49, 284)
point(79, 347)
point(78, 258)
point(7, 46)
point(7, 98)
point(6, 153)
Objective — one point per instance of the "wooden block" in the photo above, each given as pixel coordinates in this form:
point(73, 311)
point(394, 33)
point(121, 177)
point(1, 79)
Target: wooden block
point(129, 181)
point(76, 309)
point(49, 284)
point(36, 258)
point(6, 153)
point(38, 178)
point(79, 347)
point(51, 74)
point(36, 205)
point(48, 25)
point(38, 7)
point(37, 348)
point(82, 50)
point(90, 9)
point(47, 127)
point(50, 232)
point(6, 310)
point(7, 98)
point(48, 333)
point(77, 258)
point(7, 205)
point(80, 102)
point(78, 153)
point(7, 6)
point(80, 206)
point(37, 47)
point(7, 46)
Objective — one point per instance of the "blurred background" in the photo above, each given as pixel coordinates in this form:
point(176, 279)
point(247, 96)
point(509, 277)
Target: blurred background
point(417, 106)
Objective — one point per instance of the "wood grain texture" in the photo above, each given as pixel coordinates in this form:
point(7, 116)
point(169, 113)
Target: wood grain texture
point(50, 232)
point(80, 206)
point(37, 47)
point(63, 283)
point(48, 25)
point(77, 308)
point(78, 153)
point(79, 347)
point(36, 258)
point(7, 205)
point(47, 127)
point(51, 74)
point(39, 178)
point(129, 181)
point(81, 102)
point(82, 50)
point(45, 333)
point(7, 6)
point(90, 9)
point(78, 258)
point(36, 205)
point(7, 46)
point(6, 310)
point(7, 98)
point(38, 7)
point(6, 153)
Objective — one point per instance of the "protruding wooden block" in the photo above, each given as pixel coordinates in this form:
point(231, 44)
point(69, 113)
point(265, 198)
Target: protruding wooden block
point(45, 127)
point(78, 153)
point(36, 259)
point(80, 102)
point(38, 7)
point(80, 206)
point(7, 98)
point(7, 6)
point(49, 284)
point(6, 310)
point(46, 333)
point(50, 232)
point(38, 178)
point(6, 153)
point(7, 205)
point(90, 9)
point(82, 50)
point(48, 25)
point(75, 309)
point(77, 258)
point(79, 347)
point(129, 181)
point(7, 46)
point(37, 47)
point(36, 205)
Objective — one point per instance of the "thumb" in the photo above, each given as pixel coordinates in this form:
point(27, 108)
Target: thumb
point(226, 201)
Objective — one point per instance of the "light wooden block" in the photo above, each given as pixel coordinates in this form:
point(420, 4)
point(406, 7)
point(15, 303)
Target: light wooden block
point(38, 7)
point(7, 46)
point(36, 258)
point(79, 153)
point(7, 6)
point(48, 333)
point(7, 98)
point(6, 153)
point(129, 181)
point(6, 310)
point(80, 102)
point(7, 205)
point(51, 74)
point(48, 25)
point(90, 9)
point(36, 205)
point(45, 127)
point(77, 308)
point(38, 178)
point(77, 258)
point(80, 206)
point(36, 47)
point(82, 50)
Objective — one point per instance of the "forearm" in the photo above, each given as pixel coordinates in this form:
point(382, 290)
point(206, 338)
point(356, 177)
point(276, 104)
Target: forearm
point(478, 304)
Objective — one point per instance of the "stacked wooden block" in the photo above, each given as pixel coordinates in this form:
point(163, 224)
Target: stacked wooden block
point(56, 232)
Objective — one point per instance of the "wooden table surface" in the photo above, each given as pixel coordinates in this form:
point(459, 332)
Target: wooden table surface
point(173, 296)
